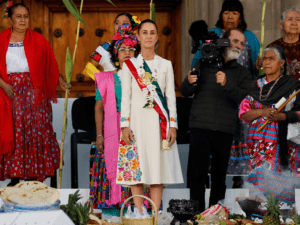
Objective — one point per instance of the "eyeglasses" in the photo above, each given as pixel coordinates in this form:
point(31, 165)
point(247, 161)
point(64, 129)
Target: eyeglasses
point(127, 49)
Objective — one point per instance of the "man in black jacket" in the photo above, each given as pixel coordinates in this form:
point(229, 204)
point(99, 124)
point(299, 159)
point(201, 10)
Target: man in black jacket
point(213, 118)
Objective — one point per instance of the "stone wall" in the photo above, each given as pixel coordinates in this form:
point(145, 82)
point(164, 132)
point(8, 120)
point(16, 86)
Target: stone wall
point(209, 10)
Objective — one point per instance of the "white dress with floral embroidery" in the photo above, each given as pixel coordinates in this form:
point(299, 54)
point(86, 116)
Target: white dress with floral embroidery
point(145, 162)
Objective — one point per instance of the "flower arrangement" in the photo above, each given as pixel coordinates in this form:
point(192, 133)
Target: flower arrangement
point(7, 5)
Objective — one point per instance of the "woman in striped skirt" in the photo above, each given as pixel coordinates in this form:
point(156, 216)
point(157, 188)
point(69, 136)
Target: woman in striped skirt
point(273, 160)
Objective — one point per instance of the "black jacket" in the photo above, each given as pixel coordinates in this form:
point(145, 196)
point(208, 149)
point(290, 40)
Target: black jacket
point(215, 107)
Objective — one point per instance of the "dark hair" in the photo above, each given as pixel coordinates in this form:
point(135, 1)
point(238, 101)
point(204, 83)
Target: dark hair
point(114, 58)
point(11, 9)
point(129, 17)
point(228, 32)
point(147, 21)
point(232, 5)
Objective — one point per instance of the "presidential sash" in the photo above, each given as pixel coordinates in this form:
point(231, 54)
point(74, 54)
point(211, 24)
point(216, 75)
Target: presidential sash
point(160, 103)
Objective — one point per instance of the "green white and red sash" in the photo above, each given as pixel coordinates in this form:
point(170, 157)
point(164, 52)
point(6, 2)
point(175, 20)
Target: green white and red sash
point(161, 104)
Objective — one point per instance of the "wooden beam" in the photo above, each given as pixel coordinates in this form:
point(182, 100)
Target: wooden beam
point(103, 6)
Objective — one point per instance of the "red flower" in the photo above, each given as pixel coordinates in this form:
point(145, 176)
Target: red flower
point(97, 57)
point(269, 155)
point(258, 160)
point(9, 4)
point(250, 150)
point(122, 143)
point(262, 146)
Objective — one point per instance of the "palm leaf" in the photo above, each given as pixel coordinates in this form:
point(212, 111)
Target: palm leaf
point(73, 10)
point(111, 3)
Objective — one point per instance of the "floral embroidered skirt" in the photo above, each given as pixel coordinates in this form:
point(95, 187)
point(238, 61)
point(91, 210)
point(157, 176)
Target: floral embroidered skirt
point(36, 154)
point(99, 184)
point(265, 172)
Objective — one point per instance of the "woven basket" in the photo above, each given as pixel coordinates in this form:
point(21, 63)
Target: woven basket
point(98, 215)
point(144, 221)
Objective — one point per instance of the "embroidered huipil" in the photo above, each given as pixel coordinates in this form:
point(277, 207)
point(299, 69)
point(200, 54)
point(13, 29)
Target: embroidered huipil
point(264, 153)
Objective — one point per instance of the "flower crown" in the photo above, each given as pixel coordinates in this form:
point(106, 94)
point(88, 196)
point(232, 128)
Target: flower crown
point(124, 35)
point(136, 20)
point(7, 5)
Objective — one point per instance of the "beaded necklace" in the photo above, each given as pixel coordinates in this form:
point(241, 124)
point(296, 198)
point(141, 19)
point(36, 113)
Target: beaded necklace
point(267, 95)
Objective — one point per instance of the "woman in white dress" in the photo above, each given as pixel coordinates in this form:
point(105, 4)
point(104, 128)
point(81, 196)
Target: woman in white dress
point(148, 153)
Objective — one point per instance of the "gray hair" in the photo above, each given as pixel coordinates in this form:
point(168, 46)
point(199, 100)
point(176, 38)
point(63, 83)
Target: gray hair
point(276, 52)
point(286, 11)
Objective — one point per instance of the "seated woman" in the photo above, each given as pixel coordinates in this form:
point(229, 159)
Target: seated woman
point(273, 160)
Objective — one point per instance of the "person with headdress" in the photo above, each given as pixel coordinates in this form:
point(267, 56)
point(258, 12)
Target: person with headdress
point(148, 153)
point(290, 42)
point(104, 192)
point(28, 79)
point(101, 56)
point(273, 160)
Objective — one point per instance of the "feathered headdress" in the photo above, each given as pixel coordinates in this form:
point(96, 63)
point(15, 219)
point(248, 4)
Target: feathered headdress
point(124, 35)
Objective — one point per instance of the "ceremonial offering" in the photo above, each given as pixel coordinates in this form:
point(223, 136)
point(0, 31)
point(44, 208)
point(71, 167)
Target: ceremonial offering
point(29, 196)
point(210, 219)
point(249, 206)
point(135, 221)
point(183, 210)
point(217, 210)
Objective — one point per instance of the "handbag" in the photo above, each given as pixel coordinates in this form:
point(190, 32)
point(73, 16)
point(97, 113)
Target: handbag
point(293, 133)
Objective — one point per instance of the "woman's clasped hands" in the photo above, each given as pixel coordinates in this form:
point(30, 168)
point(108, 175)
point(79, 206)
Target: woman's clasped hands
point(272, 116)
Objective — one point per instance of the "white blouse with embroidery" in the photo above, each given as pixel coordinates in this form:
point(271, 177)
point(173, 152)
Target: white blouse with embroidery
point(16, 61)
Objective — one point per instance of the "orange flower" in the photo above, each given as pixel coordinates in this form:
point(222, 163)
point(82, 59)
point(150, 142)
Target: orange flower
point(123, 150)
point(120, 178)
point(134, 164)
point(172, 119)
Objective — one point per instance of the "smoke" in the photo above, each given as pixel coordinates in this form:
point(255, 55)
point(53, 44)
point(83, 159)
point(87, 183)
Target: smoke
point(263, 181)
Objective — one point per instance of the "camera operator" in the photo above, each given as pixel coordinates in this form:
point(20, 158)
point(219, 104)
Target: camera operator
point(213, 117)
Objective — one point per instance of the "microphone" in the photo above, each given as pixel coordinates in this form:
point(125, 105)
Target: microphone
point(198, 30)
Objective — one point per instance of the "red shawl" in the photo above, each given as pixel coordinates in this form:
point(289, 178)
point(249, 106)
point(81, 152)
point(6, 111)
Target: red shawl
point(44, 74)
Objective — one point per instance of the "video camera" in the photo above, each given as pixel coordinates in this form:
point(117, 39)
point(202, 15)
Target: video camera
point(212, 45)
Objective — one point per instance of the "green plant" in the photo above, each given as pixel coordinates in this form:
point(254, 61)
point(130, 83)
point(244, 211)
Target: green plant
point(272, 215)
point(262, 40)
point(236, 216)
point(70, 5)
point(77, 212)
point(152, 11)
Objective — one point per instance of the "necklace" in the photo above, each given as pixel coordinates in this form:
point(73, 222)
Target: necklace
point(149, 92)
point(267, 95)
point(141, 70)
